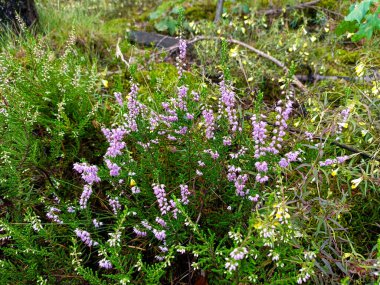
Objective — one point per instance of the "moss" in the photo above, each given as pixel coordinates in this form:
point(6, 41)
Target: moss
point(329, 3)
point(115, 26)
point(348, 57)
point(200, 12)
point(333, 71)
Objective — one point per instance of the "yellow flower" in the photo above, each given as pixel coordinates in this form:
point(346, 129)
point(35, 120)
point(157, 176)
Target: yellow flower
point(360, 69)
point(132, 182)
point(258, 225)
point(105, 83)
point(355, 183)
point(334, 172)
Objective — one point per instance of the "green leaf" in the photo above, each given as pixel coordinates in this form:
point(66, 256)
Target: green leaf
point(359, 11)
point(367, 29)
point(344, 27)
point(176, 10)
point(161, 26)
point(156, 14)
point(172, 25)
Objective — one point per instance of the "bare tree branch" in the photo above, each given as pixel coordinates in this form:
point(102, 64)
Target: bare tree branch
point(290, 8)
point(258, 52)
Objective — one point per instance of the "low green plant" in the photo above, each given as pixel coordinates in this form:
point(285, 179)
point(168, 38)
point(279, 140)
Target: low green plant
point(48, 104)
point(362, 21)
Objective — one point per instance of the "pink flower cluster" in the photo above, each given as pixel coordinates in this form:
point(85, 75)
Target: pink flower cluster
point(85, 237)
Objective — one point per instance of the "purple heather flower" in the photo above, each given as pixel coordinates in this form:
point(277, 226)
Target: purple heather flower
point(259, 130)
point(344, 115)
point(254, 198)
point(87, 191)
point(227, 103)
point(139, 233)
point(135, 190)
point(196, 96)
point(309, 136)
point(51, 215)
point(106, 264)
point(227, 141)
point(201, 163)
point(113, 167)
point(163, 248)
point(160, 235)
point(281, 126)
point(85, 237)
point(214, 154)
point(89, 172)
point(118, 98)
point(96, 223)
point(327, 162)
point(261, 179)
point(240, 182)
point(174, 208)
point(159, 192)
point(341, 159)
point(181, 103)
point(115, 137)
point(239, 253)
point(161, 222)
point(283, 162)
point(182, 49)
point(182, 56)
point(134, 109)
point(208, 116)
point(172, 138)
point(115, 204)
point(261, 166)
point(185, 193)
point(146, 225)
point(189, 116)
point(232, 172)
point(292, 156)
point(71, 209)
point(181, 131)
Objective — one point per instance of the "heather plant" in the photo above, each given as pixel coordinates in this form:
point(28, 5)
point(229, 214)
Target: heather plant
point(47, 110)
point(186, 179)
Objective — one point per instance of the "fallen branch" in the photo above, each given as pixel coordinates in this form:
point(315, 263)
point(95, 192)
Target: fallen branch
point(258, 52)
point(316, 77)
point(341, 145)
point(290, 8)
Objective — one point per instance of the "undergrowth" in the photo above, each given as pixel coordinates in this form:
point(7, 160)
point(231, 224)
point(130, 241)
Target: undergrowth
point(212, 165)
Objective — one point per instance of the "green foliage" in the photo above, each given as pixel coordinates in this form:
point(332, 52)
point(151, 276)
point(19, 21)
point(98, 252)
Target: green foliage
point(307, 222)
point(361, 20)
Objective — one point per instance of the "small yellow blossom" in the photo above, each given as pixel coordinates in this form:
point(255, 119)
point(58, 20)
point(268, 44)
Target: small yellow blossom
point(359, 69)
point(105, 83)
point(334, 172)
point(132, 182)
point(355, 183)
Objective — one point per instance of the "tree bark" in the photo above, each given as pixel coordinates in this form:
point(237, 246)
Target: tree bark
point(26, 9)
point(219, 11)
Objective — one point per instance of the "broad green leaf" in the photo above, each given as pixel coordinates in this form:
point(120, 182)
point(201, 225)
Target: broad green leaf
point(346, 27)
point(359, 11)
point(161, 26)
point(155, 15)
point(367, 28)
